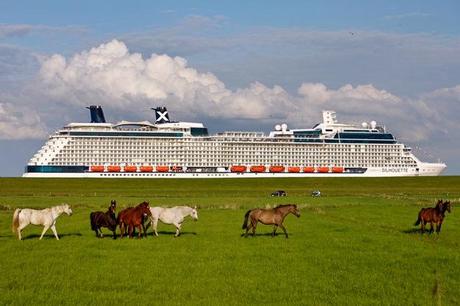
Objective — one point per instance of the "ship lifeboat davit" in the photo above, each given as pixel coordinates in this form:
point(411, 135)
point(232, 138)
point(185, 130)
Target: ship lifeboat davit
point(113, 168)
point(337, 169)
point(130, 168)
point(276, 169)
point(294, 169)
point(146, 169)
point(323, 169)
point(238, 169)
point(257, 169)
point(309, 169)
point(97, 168)
point(162, 168)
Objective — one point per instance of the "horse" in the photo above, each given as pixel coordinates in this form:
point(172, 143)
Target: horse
point(133, 217)
point(273, 216)
point(46, 217)
point(108, 219)
point(433, 215)
point(174, 215)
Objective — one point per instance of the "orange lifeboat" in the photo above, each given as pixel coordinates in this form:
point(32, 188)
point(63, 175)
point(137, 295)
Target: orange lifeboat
point(97, 168)
point(113, 168)
point(177, 168)
point(337, 169)
point(276, 169)
point(309, 169)
point(238, 169)
point(146, 168)
point(323, 169)
point(294, 169)
point(257, 169)
point(162, 168)
point(130, 168)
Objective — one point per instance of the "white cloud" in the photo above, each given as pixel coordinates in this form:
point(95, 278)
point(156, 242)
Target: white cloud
point(127, 83)
point(17, 122)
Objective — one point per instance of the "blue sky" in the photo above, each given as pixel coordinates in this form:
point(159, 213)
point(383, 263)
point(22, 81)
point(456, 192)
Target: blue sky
point(394, 62)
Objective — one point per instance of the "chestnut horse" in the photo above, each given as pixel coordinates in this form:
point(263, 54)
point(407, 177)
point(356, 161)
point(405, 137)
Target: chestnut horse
point(108, 219)
point(133, 217)
point(273, 216)
point(433, 215)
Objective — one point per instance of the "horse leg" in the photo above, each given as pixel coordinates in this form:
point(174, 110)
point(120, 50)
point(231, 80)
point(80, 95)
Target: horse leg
point(254, 225)
point(130, 231)
point(275, 227)
point(177, 225)
point(141, 226)
point(284, 230)
point(431, 227)
point(247, 230)
point(122, 229)
point(438, 228)
point(53, 228)
point(45, 228)
point(154, 225)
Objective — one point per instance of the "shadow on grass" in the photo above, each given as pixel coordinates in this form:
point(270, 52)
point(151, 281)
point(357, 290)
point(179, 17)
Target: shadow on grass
point(48, 236)
point(266, 235)
point(411, 231)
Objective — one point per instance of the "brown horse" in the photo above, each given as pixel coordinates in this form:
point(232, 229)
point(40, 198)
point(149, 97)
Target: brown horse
point(133, 217)
point(433, 215)
point(273, 216)
point(100, 219)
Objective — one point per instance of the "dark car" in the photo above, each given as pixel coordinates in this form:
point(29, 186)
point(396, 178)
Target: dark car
point(279, 193)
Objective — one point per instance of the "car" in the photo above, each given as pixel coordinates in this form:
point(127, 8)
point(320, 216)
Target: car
point(316, 193)
point(279, 193)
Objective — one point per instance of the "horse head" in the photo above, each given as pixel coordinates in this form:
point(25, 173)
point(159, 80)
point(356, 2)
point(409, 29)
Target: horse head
point(447, 206)
point(194, 214)
point(295, 210)
point(113, 205)
point(66, 208)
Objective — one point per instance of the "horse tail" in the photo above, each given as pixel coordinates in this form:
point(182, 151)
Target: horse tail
point(91, 219)
point(246, 217)
point(419, 219)
point(15, 224)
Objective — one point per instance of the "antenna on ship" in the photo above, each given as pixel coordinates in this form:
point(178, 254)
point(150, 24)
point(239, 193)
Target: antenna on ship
point(97, 115)
point(161, 114)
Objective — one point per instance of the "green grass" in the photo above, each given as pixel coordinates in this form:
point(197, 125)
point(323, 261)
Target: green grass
point(354, 245)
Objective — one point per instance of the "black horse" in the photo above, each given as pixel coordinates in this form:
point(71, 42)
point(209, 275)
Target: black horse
point(108, 219)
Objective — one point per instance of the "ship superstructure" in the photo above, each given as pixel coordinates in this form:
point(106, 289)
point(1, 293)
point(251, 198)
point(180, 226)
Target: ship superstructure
point(185, 149)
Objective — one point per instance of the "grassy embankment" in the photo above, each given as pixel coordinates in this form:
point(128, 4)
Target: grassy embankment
point(354, 245)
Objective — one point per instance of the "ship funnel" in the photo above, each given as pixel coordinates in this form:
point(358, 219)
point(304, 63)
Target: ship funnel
point(97, 115)
point(161, 115)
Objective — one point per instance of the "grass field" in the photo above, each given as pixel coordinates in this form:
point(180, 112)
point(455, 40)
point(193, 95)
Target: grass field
point(354, 245)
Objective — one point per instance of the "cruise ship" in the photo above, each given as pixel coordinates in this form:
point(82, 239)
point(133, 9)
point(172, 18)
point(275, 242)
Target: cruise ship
point(168, 149)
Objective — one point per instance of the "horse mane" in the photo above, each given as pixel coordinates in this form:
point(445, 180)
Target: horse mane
point(285, 205)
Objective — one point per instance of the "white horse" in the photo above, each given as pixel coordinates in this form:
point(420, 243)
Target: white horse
point(174, 215)
point(46, 217)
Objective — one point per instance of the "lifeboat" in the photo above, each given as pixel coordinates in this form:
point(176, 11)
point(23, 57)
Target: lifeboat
point(276, 169)
point(130, 168)
point(323, 169)
point(113, 168)
point(337, 169)
point(162, 168)
point(257, 169)
point(294, 169)
point(238, 169)
point(97, 168)
point(146, 169)
point(309, 169)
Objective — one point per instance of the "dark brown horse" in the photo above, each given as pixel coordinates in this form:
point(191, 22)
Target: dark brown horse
point(100, 219)
point(433, 215)
point(273, 216)
point(133, 217)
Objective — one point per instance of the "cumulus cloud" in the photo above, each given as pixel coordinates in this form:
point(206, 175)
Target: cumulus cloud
point(110, 73)
point(17, 122)
point(126, 82)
